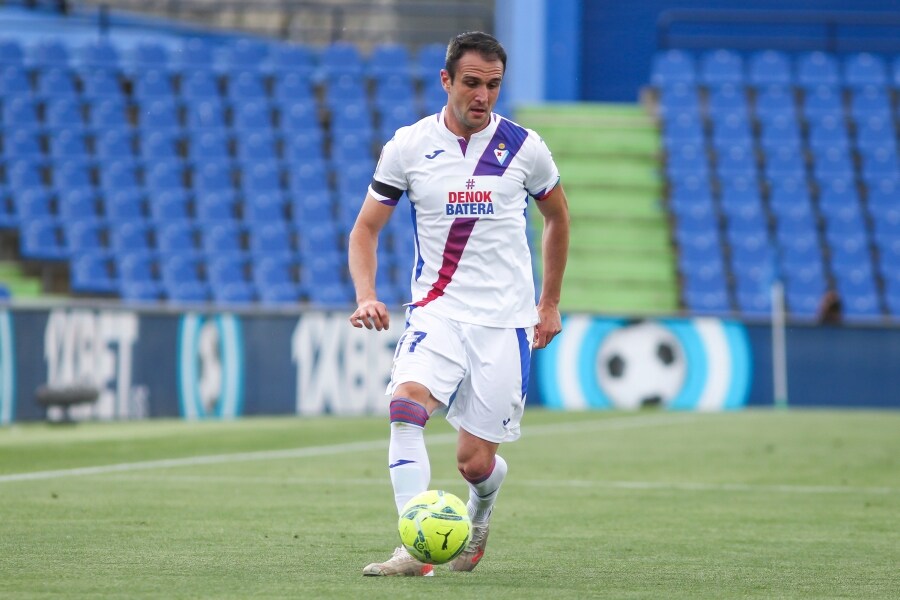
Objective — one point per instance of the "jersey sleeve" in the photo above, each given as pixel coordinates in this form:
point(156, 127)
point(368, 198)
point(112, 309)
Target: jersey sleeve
point(389, 181)
point(544, 175)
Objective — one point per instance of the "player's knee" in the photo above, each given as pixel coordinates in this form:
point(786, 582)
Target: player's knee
point(404, 410)
point(475, 468)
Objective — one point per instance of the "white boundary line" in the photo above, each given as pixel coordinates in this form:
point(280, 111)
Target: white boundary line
point(264, 455)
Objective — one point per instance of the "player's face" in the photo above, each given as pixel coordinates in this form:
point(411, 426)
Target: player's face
point(472, 93)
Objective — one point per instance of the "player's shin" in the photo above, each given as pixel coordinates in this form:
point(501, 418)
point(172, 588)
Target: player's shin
point(407, 456)
point(483, 492)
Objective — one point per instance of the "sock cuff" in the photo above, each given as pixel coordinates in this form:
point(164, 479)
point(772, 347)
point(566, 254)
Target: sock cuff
point(484, 477)
point(404, 410)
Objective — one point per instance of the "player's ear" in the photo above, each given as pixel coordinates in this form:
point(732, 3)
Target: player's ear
point(445, 80)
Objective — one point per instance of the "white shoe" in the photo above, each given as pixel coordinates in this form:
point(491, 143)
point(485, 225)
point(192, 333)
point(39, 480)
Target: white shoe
point(470, 557)
point(401, 563)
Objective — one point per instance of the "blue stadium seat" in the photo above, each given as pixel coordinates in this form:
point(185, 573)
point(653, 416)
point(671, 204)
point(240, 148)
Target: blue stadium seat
point(721, 66)
point(291, 59)
point(869, 101)
point(22, 144)
point(212, 176)
point(164, 174)
point(394, 87)
point(769, 67)
point(56, 82)
point(393, 117)
point(750, 246)
point(8, 218)
point(879, 161)
point(261, 177)
point(170, 206)
point(784, 161)
point(832, 162)
point(24, 173)
point(147, 55)
point(272, 237)
point(264, 207)
point(200, 84)
point(121, 206)
point(736, 159)
point(177, 238)
point(43, 239)
point(773, 100)
point(228, 280)
point(276, 280)
point(77, 204)
point(93, 272)
point(725, 99)
point(49, 52)
point(341, 58)
point(679, 97)
point(299, 115)
point(388, 59)
point(14, 81)
point(289, 87)
point(34, 203)
point(434, 98)
point(864, 68)
point(158, 144)
point(158, 113)
point(11, 53)
point(828, 132)
point(85, 234)
point(182, 279)
point(670, 66)
point(194, 54)
point(217, 206)
point(246, 85)
point(63, 112)
point(100, 84)
point(707, 301)
point(699, 245)
point(816, 68)
point(97, 54)
point(208, 144)
point(799, 247)
point(205, 114)
point(132, 237)
point(875, 131)
point(732, 128)
point(153, 83)
point(109, 112)
point(251, 115)
point(885, 219)
point(113, 142)
point(303, 145)
point(223, 238)
point(243, 53)
point(780, 129)
point(120, 174)
point(344, 89)
point(822, 100)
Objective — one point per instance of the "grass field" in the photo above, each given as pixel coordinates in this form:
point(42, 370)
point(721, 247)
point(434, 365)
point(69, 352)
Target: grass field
point(796, 504)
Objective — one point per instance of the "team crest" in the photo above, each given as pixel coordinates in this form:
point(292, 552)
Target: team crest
point(501, 153)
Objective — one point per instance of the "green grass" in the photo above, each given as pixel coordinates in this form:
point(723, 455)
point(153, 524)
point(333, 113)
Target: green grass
point(753, 504)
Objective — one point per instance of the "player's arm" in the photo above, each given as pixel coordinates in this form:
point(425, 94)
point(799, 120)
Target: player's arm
point(555, 251)
point(363, 263)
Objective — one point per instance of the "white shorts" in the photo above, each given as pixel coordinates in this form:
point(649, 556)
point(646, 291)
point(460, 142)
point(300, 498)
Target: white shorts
point(480, 373)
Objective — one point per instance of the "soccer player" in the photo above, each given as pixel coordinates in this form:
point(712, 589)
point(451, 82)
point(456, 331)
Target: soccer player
point(472, 321)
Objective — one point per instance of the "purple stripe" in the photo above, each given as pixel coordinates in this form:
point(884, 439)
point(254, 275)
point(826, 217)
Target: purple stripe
point(457, 238)
point(389, 202)
point(483, 477)
point(512, 136)
point(407, 411)
point(524, 358)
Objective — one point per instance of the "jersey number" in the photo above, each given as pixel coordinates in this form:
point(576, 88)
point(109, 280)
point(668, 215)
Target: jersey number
point(413, 337)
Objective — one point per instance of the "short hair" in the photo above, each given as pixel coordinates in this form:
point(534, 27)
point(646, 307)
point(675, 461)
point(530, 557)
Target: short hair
point(483, 43)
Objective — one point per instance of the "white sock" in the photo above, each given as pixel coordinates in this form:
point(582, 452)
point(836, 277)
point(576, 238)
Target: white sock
point(408, 462)
point(483, 494)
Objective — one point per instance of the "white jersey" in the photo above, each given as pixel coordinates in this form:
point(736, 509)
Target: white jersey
point(468, 201)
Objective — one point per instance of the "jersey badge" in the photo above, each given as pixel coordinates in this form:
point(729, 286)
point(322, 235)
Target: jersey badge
point(501, 153)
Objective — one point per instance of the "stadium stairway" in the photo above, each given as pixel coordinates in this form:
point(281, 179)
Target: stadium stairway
point(620, 259)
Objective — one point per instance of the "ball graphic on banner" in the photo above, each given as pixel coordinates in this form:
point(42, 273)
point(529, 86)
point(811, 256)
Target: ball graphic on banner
point(641, 365)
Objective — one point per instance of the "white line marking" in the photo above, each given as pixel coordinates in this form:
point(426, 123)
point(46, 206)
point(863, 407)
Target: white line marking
point(218, 459)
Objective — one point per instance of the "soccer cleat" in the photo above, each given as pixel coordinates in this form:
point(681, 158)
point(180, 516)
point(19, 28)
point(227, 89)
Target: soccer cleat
point(470, 557)
point(400, 564)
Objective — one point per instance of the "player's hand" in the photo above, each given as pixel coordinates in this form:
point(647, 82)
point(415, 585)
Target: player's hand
point(549, 324)
point(369, 314)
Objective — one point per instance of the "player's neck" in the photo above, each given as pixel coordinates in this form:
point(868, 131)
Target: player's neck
point(458, 129)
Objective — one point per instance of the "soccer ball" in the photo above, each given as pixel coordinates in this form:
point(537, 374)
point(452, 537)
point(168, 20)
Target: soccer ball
point(434, 527)
point(641, 365)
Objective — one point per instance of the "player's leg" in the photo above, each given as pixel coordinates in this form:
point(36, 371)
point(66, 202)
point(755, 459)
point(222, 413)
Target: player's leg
point(427, 367)
point(487, 411)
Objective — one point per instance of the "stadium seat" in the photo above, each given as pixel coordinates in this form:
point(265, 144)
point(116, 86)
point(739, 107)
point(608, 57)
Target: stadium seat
point(388, 59)
point(170, 205)
point(288, 87)
point(62, 112)
point(158, 113)
point(56, 82)
point(773, 100)
point(869, 101)
point(863, 69)
point(158, 144)
point(750, 246)
point(147, 55)
point(76, 204)
point(707, 301)
point(120, 174)
point(272, 237)
point(193, 54)
point(670, 66)
point(291, 59)
point(212, 207)
point(85, 234)
point(68, 143)
point(245, 86)
point(24, 173)
point(303, 145)
point(251, 115)
point(769, 67)
point(817, 68)
point(680, 128)
point(164, 174)
point(223, 238)
point(341, 58)
point(153, 83)
point(228, 280)
point(264, 207)
point(33, 203)
point(879, 161)
point(298, 115)
point(243, 53)
point(205, 114)
point(732, 128)
point(182, 279)
point(679, 97)
point(212, 175)
point(22, 144)
point(48, 52)
point(721, 66)
point(11, 53)
point(822, 100)
point(177, 238)
point(206, 144)
point(131, 237)
point(96, 54)
point(97, 83)
point(124, 205)
point(200, 84)
point(43, 239)
point(109, 112)
point(113, 142)
point(14, 81)
point(276, 280)
point(93, 273)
